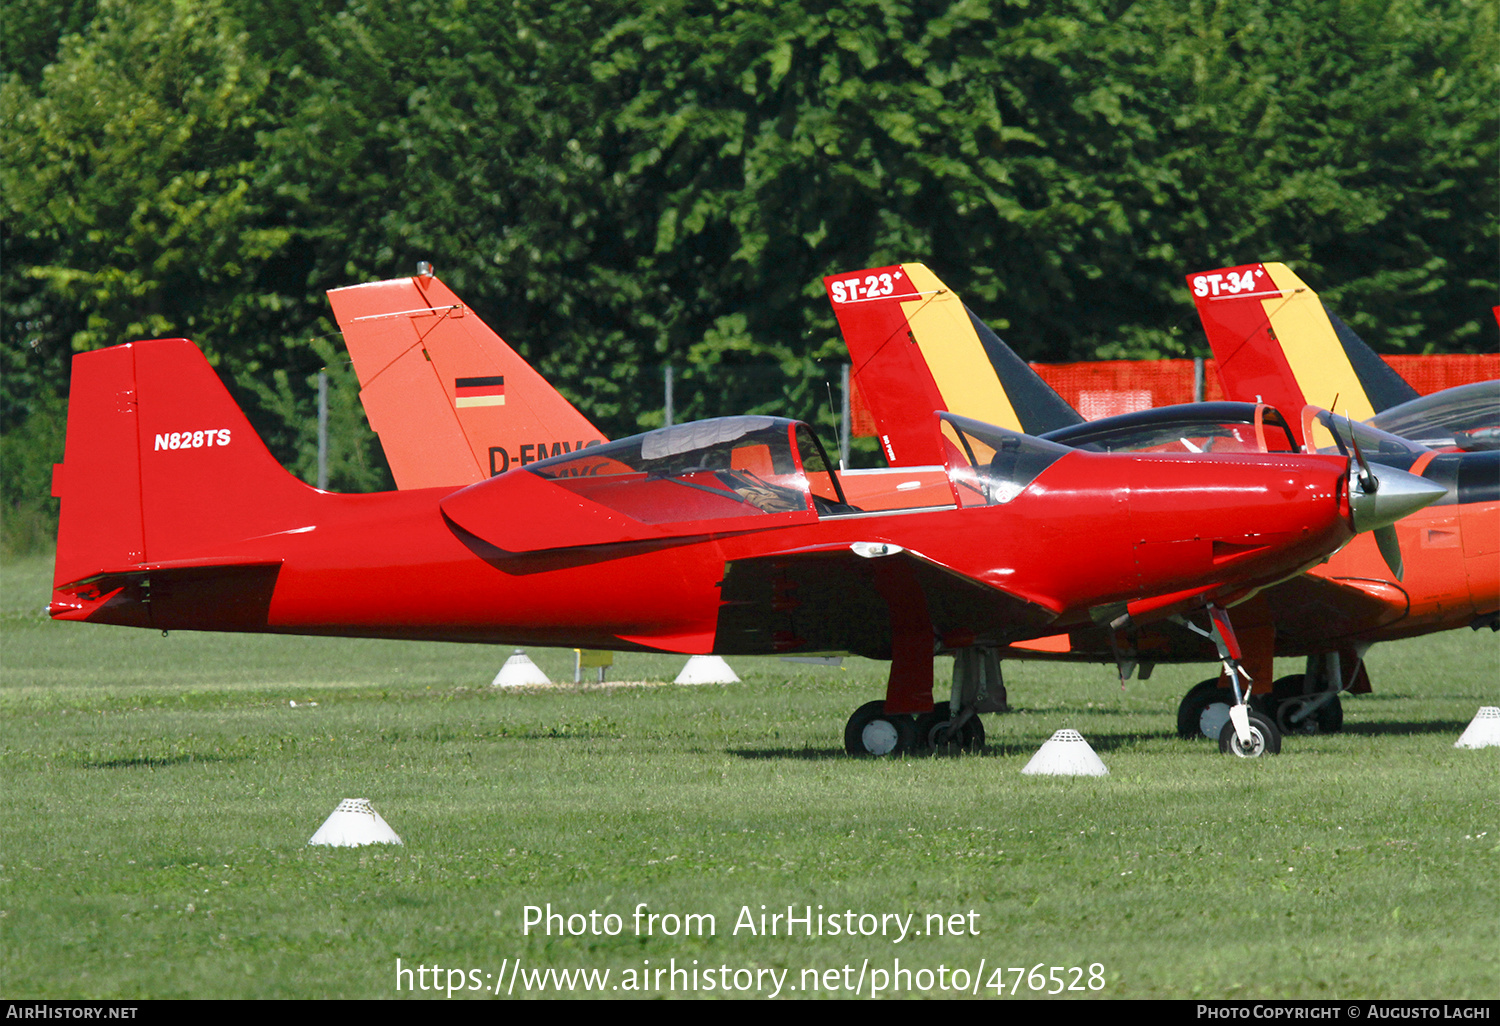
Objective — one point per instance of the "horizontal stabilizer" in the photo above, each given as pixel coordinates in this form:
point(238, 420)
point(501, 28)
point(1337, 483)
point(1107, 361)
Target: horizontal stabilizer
point(208, 597)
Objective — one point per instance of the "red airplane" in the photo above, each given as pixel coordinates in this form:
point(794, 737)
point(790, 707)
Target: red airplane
point(915, 347)
point(413, 340)
point(731, 536)
point(1274, 338)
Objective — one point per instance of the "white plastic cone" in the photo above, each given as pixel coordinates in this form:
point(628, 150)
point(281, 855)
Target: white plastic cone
point(1483, 730)
point(706, 670)
point(517, 671)
point(1066, 754)
point(352, 824)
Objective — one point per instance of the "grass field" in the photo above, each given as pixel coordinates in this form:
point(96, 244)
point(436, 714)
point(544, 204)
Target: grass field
point(157, 794)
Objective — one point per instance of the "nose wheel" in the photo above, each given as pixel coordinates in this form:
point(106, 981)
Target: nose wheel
point(1208, 710)
point(1264, 739)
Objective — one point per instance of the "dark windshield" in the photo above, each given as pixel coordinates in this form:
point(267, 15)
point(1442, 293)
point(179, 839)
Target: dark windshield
point(1000, 462)
point(1332, 434)
point(1197, 427)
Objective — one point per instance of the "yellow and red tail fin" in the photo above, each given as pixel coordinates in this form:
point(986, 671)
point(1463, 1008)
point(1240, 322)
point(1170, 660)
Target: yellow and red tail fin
point(160, 466)
point(1276, 342)
point(916, 349)
point(451, 402)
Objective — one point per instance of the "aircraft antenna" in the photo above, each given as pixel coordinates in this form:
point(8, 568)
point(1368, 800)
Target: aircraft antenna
point(838, 426)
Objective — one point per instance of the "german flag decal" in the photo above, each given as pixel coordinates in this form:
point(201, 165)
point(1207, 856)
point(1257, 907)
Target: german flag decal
point(479, 391)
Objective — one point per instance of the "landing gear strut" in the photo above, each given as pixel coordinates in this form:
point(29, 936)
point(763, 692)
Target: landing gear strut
point(1308, 703)
point(1242, 731)
point(978, 687)
point(937, 732)
point(955, 727)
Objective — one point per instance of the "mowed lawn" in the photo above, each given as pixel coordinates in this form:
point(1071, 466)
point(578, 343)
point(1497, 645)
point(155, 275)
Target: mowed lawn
point(157, 795)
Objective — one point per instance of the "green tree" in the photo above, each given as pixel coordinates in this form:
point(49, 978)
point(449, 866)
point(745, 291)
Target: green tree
point(619, 188)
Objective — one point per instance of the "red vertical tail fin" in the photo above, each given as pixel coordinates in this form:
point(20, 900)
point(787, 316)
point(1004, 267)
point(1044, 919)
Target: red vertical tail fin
point(917, 348)
point(161, 466)
point(1276, 342)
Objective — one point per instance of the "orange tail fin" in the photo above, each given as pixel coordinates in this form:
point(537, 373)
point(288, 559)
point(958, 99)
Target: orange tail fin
point(451, 402)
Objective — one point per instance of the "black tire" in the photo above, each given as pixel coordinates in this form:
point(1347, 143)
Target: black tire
point(1288, 696)
point(1331, 717)
point(933, 725)
point(1293, 685)
point(1265, 739)
point(871, 732)
point(1197, 702)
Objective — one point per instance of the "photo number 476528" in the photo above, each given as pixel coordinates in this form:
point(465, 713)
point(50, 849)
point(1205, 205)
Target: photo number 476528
point(1056, 981)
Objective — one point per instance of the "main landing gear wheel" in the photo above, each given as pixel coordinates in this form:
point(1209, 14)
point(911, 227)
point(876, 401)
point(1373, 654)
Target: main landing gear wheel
point(870, 731)
point(933, 735)
point(1265, 739)
point(1288, 699)
point(1204, 710)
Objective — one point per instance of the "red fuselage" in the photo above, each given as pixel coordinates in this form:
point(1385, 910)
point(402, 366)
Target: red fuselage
point(1091, 531)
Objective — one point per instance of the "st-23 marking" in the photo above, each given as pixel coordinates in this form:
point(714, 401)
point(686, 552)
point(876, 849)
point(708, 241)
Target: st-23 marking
point(871, 287)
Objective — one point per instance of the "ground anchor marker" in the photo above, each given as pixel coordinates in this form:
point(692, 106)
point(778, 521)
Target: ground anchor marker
point(352, 824)
point(1483, 730)
point(519, 671)
point(1066, 754)
point(706, 669)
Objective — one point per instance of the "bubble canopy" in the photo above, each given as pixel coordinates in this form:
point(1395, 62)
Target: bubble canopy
point(706, 470)
point(1467, 416)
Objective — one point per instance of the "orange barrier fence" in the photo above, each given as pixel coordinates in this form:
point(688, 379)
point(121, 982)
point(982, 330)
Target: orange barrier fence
point(1104, 388)
point(1429, 374)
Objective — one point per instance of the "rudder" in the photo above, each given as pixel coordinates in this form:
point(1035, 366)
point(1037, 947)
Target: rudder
point(1276, 342)
point(160, 465)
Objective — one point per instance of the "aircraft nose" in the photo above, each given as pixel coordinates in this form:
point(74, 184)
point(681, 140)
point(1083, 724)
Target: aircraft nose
point(1389, 495)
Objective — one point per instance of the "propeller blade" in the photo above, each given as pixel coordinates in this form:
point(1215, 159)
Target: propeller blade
point(1368, 482)
point(1390, 548)
point(1338, 439)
